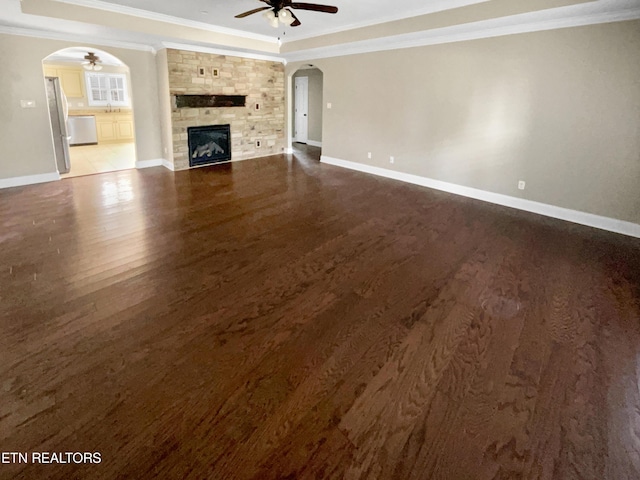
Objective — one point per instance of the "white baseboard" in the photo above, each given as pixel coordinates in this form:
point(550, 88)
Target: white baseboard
point(169, 165)
point(156, 162)
point(29, 180)
point(273, 154)
point(582, 218)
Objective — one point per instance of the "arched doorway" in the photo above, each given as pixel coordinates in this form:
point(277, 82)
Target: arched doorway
point(307, 107)
point(90, 107)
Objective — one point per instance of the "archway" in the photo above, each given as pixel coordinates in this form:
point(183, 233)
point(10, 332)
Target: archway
point(91, 112)
point(307, 84)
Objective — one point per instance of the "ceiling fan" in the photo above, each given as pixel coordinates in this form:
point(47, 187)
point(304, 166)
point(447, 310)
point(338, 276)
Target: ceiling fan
point(91, 62)
point(279, 11)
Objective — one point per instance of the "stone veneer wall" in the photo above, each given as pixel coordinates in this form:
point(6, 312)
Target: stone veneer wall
point(260, 80)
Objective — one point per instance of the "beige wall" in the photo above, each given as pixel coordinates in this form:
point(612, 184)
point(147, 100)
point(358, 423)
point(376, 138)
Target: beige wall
point(559, 109)
point(164, 92)
point(26, 146)
point(315, 102)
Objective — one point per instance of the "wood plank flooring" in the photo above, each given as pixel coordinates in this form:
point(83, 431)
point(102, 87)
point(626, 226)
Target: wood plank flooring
point(279, 318)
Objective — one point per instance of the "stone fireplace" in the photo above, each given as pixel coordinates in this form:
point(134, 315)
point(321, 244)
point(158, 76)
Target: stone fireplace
point(209, 144)
point(245, 94)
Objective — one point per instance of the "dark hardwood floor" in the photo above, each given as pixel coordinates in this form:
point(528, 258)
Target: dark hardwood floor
point(279, 318)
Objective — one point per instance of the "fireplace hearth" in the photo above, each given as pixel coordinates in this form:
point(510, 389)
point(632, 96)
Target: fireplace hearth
point(209, 144)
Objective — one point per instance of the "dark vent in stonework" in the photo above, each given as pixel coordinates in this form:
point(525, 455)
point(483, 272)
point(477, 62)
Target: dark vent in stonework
point(207, 101)
point(209, 144)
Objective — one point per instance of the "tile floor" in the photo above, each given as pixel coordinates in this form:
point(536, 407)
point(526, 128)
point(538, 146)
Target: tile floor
point(90, 159)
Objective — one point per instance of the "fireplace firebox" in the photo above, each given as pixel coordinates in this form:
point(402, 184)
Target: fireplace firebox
point(209, 144)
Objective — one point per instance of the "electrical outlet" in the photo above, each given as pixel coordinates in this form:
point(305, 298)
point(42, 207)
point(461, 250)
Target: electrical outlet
point(28, 103)
point(392, 160)
point(258, 143)
point(369, 155)
point(521, 185)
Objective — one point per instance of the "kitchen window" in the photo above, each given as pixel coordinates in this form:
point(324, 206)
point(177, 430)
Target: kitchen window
point(107, 89)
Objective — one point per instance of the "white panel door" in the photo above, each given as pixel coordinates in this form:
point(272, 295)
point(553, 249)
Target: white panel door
point(302, 109)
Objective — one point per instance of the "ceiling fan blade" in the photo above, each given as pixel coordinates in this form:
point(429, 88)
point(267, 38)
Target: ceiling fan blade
point(296, 22)
point(313, 7)
point(251, 12)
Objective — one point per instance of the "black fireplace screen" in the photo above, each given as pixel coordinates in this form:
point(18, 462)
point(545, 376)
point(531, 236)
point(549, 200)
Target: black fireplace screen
point(209, 144)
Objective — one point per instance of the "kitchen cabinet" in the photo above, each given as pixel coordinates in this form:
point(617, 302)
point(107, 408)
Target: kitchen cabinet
point(71, 80)
point(125, 127)
point(114, 127)
point(106, 130)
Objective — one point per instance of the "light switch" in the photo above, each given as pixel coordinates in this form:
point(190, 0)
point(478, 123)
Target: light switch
point(28, 103)
point(328, 105)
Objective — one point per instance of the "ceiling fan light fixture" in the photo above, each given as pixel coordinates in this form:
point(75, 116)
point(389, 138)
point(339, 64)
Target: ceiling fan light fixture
point(274, 22)
point(92, 67)
point(269, 15)
point(285, 17)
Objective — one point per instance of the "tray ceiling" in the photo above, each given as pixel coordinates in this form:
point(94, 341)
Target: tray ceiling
point(210, 24)
point(221, 13)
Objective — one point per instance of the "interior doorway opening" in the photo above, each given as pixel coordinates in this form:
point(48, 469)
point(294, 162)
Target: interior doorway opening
point(90, 108)
point(307, 107)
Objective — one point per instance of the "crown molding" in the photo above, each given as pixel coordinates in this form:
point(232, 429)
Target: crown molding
point(221, 51)
point(432, 7)
point(160, 17)
point(563, 17)
point(80, 39)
